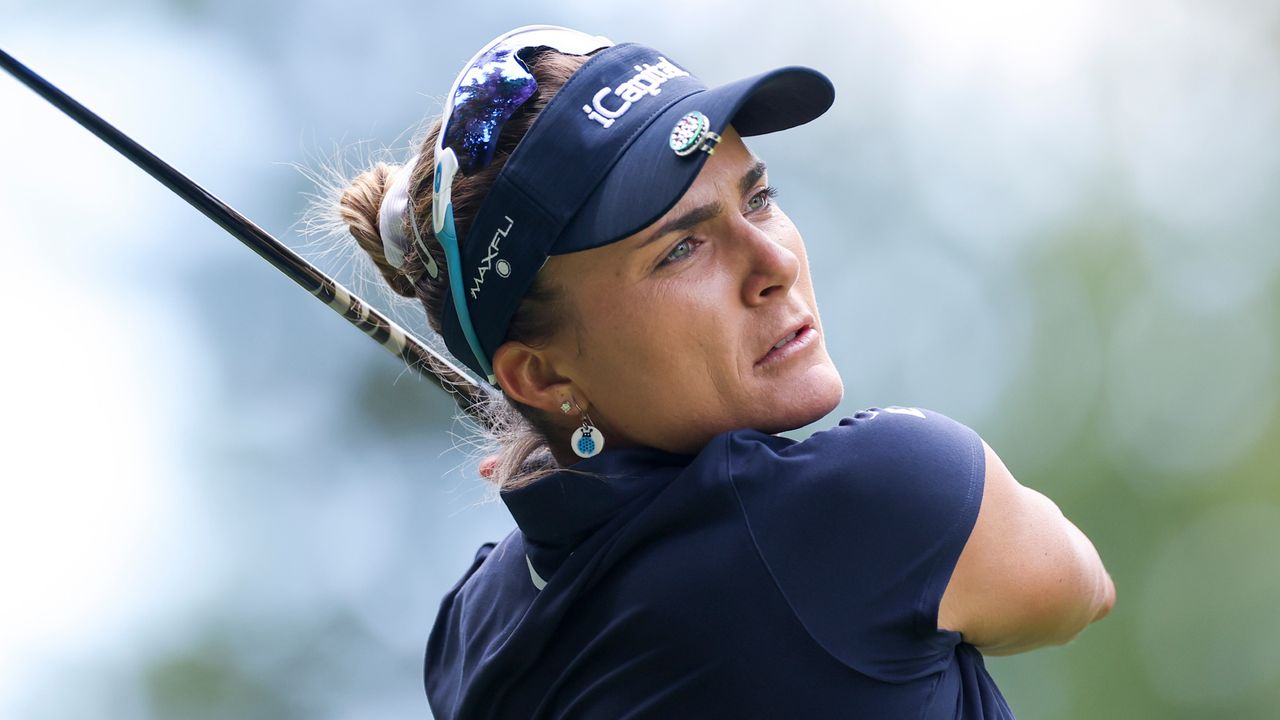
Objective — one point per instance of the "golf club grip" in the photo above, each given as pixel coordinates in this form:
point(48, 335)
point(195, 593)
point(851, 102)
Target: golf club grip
point(400, 342)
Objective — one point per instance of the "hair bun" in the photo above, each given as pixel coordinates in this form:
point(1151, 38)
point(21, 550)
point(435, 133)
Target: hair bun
point(359, 208)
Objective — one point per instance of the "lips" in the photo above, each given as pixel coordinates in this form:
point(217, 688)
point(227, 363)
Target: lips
point(798, 332)
point(786, 340)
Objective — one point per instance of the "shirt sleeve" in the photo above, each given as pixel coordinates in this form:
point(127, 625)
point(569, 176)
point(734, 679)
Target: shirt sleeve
point(861, 526)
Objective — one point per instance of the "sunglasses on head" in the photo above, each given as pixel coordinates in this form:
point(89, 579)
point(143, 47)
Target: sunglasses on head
point(488, 91)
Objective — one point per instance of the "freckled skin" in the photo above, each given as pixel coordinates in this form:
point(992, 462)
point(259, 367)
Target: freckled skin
point(669, 356)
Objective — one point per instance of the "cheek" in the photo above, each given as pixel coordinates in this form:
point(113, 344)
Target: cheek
point(651, 331)
point(648, 343)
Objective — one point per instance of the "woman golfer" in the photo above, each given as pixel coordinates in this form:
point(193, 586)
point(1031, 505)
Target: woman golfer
point(588, 231)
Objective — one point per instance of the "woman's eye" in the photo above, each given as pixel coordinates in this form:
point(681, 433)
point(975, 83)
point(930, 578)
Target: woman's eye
point(681, 250)
point(762, 199)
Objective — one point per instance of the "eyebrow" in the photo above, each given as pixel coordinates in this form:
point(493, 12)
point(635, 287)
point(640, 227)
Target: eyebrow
point(703, 213)
point(753, 176)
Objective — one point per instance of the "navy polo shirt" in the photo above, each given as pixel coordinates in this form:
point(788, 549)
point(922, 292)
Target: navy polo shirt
point(761, 578)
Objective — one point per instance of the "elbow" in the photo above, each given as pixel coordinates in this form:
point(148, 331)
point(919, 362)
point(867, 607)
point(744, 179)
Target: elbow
point(1103, 595)
point(1054, 615)
point(1107, 598)
point(1096, 591)
point(1090, 608)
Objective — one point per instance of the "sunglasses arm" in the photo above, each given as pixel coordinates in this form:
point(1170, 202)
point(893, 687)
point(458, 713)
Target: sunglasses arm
point(442, 192)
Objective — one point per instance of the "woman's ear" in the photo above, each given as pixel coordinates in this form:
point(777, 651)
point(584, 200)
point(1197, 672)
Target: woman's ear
point(527, 375)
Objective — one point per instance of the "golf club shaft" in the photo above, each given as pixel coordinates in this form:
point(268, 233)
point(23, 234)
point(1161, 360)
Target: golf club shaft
point(401, 343)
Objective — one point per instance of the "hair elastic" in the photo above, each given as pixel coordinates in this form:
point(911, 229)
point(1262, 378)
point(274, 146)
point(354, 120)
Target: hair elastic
point(391, 221)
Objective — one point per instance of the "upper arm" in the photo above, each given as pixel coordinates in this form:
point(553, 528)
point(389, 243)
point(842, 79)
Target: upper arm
point(860, 527)
point(1026, 577)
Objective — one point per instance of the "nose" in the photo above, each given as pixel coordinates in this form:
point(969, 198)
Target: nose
point(772, 267)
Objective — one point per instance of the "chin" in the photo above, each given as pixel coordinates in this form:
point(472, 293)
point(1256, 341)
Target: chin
point(809, 399)
point(776, 407)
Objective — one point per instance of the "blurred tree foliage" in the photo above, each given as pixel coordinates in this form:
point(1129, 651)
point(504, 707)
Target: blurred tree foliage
point(1047, 247)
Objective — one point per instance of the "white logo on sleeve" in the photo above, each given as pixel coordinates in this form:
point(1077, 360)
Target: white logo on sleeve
point(894, 409)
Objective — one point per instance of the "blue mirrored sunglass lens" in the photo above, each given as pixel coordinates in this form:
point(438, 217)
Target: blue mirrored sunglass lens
point(490, 92)
point(496, 84)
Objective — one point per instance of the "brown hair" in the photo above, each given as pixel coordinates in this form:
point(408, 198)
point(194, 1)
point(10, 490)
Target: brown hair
point(518, 433)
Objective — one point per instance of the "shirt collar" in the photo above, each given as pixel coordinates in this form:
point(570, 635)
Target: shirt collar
point(559, 508)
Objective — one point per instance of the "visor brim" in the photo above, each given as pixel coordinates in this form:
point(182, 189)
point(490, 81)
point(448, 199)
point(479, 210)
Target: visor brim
point(650, 178)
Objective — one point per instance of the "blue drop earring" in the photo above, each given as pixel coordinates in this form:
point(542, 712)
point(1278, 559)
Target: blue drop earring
point(587, 441)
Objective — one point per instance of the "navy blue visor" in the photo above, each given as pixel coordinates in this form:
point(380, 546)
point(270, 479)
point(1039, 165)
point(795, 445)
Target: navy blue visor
point(614, 150)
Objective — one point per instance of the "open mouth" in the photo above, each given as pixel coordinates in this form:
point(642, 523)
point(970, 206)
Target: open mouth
point(787, 339)
point(792, 341)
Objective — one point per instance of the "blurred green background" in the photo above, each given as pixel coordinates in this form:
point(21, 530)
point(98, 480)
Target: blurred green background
point(1053, 221)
